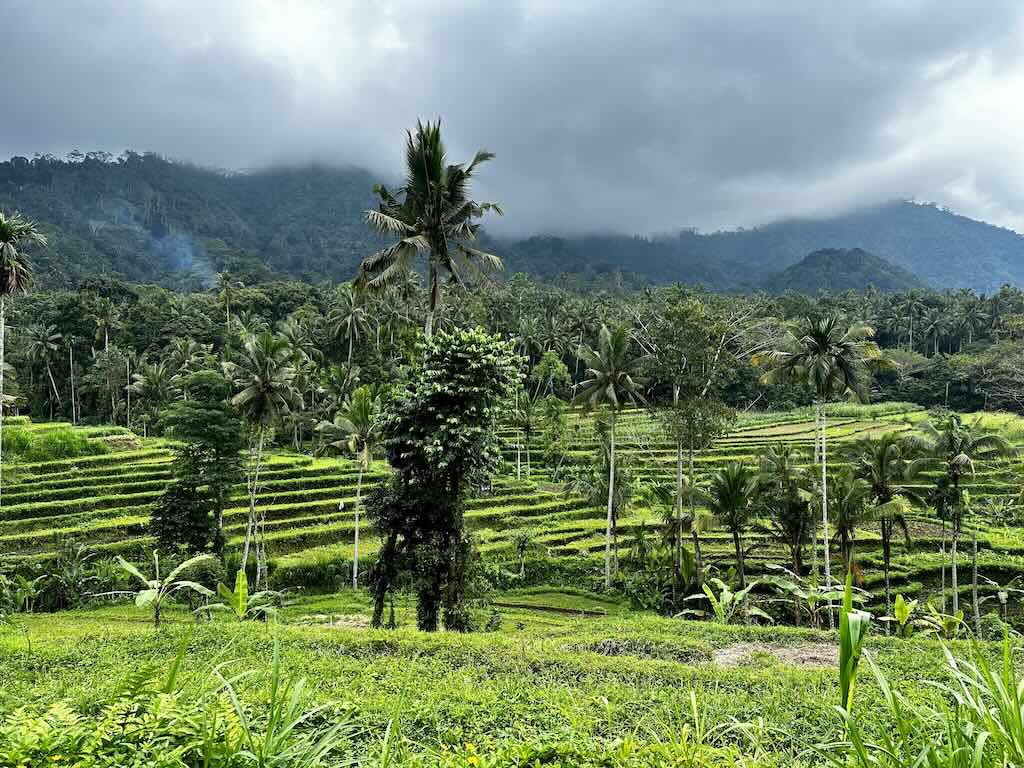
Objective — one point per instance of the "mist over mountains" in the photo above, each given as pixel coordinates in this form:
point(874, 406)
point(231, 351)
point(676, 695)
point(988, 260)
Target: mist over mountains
point(145, 219)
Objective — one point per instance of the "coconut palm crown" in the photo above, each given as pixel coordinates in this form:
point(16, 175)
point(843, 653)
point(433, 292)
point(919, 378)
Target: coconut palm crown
point(432, 215)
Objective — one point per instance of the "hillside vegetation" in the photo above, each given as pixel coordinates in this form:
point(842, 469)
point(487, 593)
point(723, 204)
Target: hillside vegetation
point(841, 269)
point(144, 219)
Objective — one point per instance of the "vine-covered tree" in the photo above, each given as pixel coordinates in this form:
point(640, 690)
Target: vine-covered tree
point(440, 437)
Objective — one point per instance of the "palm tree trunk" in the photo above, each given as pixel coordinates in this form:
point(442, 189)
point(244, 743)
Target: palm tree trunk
point(943, 557)
point(350, 337)
point(824, 512)
point(53, 384)
point(611, 492)
point(355, 547)
point(739, 557)
point(975, 608)
point(698, 557)
point(428, 325)
point(3, 351)
point(886, 553)
point(954, 583)
point(253, 481)
point(71, 370)
point(677, 554)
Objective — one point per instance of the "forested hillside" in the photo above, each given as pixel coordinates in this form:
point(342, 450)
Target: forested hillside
point(841, 269)
point(142, 218)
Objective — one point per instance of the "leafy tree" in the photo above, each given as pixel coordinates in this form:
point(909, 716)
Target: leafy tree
point(185, 514)
point(211, 430)
point(832, 361)
point(432, 214)
point(440, 437)
point(356, 429)
point(16, 234)
point(612, 382)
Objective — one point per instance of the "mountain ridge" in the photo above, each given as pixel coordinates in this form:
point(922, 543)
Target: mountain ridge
point(143, 218)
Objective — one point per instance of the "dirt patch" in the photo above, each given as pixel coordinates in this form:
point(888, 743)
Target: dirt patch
point(120, 442)
point(803, 655)
point(344, 621)
point(647, 649)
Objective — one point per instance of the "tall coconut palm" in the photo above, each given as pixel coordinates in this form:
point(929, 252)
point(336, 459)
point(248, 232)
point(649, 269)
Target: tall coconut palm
point(16, 233)
point(43, 342)
point(348, 317)
point(104, 317)
point(432, 215)
point(153, 385)
point(954, 448)
point(833, 361)
point(884, 465)
point(612, 382)
point(265, 379)
point(357, 429)
point(729, 498)
point(226, 288)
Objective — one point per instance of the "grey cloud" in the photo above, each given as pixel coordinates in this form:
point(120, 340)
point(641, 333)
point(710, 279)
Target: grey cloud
point(635, 116)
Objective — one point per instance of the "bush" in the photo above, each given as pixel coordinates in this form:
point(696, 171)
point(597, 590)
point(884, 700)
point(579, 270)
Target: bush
point(24, 444)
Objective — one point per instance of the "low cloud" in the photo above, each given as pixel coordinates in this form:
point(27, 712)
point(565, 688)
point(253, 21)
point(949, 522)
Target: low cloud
point(636, 117)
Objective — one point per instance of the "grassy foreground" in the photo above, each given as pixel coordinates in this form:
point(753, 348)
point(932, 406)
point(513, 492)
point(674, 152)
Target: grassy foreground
point(549, 686)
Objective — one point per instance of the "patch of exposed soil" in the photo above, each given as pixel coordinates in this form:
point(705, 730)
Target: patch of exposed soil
point(802, 655)
point(344, 621)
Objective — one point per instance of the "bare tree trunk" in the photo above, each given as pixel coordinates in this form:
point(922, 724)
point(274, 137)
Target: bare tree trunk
point(943, 554)
point(974, 585)
point(71, 370)
point(611, 491)
point(739, 557)
point(953, 574)
point(3, 361)
point(355, 548)
point(698, 556)
point(256, 458)
point(824, 512)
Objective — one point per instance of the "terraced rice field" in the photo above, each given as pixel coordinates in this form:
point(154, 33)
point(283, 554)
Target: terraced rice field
point(105, 500)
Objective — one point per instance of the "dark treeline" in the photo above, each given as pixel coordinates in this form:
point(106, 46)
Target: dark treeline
point(73, 354)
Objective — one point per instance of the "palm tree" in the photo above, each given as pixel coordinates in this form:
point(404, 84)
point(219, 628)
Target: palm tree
point(954, 448)
point(357, 429)
point(729, 498)
point(525, 416)
point(104, 316)
point(849, 510)
point(153, 384)
point(265, 378)
point(936, 325)
point(909, 308)
point(15, 277)
point(43, 342)
point(226, 287)
point(432, 215)
point(348, 317)
point(884, 465)
point(833, 362)
point(612, 381)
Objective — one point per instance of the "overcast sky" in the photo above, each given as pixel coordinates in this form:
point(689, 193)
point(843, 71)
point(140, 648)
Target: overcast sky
point(630, 116)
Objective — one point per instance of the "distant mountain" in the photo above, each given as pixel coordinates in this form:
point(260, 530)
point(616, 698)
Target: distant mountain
point(840, 269)
point(943, 249)
point(146, 219)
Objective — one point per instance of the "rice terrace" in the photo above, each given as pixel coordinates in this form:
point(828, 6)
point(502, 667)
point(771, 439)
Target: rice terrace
point(638, 413)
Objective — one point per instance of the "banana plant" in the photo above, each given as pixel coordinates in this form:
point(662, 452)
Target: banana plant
point(903, 616)
point(158, 588)
point(241, 604)
point(853, 631)
point(944, 625)
point(807, 596)
point(27, 591)
point(727, 607)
